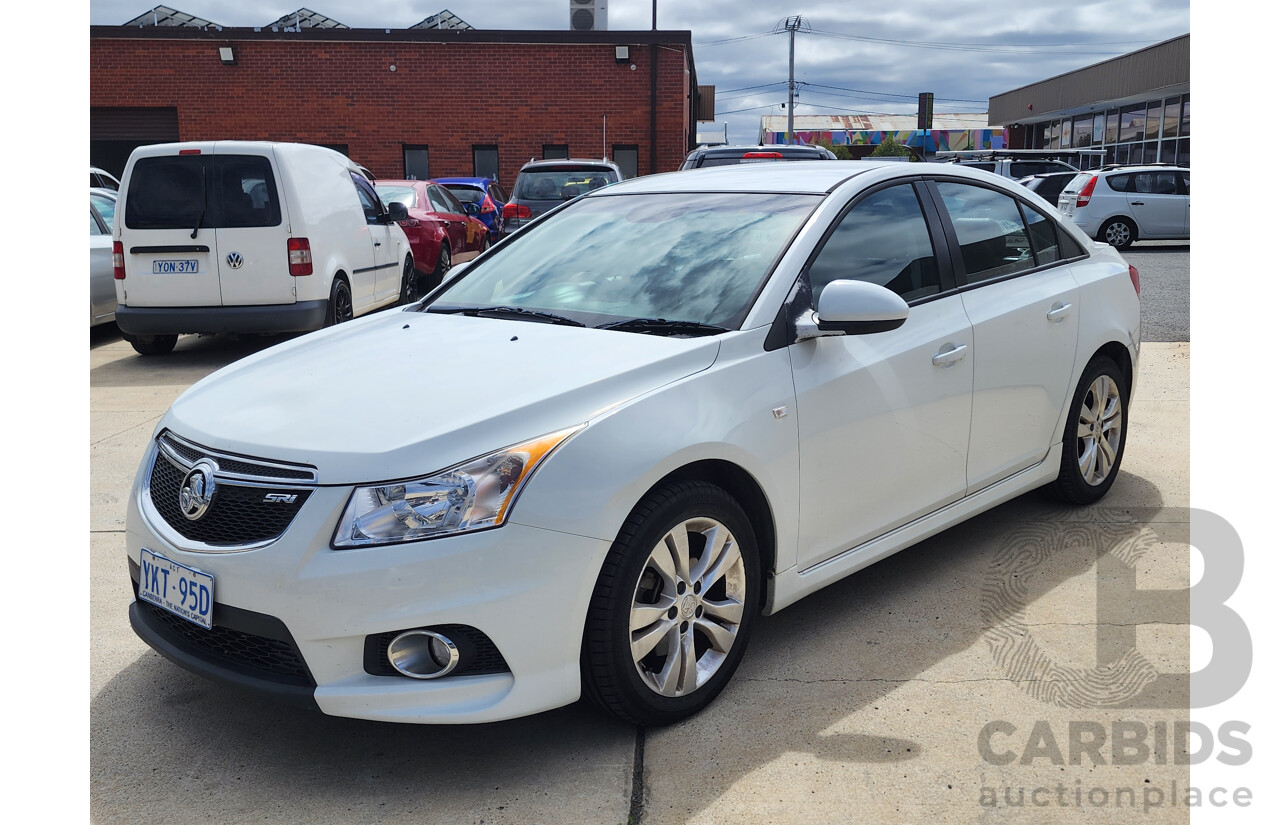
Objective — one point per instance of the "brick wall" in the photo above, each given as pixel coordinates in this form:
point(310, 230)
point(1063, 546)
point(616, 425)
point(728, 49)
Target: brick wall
point(448, 96)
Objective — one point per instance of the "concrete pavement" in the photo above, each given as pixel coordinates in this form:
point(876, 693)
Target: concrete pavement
point(868, 700)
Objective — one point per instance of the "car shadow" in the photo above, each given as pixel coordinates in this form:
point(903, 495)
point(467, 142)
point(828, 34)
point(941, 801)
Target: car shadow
point(165, 734)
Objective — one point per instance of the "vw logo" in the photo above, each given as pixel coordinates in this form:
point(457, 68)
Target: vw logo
point(234, 260)
point(196, 492)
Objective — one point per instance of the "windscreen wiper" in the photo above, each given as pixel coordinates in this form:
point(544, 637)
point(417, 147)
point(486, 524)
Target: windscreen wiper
point(507, 312)
point(661, 326)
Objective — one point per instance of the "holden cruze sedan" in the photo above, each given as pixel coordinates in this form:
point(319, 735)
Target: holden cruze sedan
point(594, 458)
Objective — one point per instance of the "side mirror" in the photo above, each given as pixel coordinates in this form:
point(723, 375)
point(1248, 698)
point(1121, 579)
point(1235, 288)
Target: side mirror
point(397, 211)
point(472, 209)
point(853, 308)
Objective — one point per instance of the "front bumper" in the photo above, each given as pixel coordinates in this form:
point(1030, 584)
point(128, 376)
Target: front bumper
point(525, 588)
point(300, 317)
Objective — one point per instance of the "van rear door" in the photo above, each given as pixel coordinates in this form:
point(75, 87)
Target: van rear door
point(170, 261)
point(250, 220)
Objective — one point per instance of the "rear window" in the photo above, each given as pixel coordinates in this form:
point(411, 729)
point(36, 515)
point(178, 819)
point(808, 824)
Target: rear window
point(208, 191)
point(464, 193)
point(561, 185)
point(398, 194)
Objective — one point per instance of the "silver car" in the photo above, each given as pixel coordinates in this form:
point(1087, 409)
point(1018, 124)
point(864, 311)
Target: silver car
point(102, 287)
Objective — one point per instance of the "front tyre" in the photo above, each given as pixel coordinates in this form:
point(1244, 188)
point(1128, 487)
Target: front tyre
point(1093, 443)
point(409, 287)
point(673, 607)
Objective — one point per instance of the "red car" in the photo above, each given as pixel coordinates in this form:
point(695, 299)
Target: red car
point(434, 215)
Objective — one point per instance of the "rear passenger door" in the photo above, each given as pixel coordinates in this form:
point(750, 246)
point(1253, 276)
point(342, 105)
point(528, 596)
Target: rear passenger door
point(1157, 204)
point(1023, 301)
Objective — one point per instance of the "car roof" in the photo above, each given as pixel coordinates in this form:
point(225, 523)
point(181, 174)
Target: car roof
point(469, 181)
point(588, 162)
point(1149, 167)
point(775, 147)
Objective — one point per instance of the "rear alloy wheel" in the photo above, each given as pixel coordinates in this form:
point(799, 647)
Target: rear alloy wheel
point(340, 306)
point(674, 606)
point(409, 287)
point(152, 344)
point(1093, 443)
point(443, 263)
point(1119, 232)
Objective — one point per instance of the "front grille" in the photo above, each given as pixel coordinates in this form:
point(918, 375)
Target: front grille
point(238, 514)
point(477, 653)
point(191, 453)
point(275, 659)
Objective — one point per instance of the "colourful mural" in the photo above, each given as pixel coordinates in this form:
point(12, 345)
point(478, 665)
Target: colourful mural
point(932, 140)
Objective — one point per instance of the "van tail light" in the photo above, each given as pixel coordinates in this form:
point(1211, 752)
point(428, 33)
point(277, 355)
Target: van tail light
point(516, 210)
point(299, 256)
point(1133, 276)
point(487, 206)
point(117, 260)
point(1086, 193)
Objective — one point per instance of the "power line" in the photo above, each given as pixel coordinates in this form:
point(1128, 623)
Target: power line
point(734, 39)
point(887, 94)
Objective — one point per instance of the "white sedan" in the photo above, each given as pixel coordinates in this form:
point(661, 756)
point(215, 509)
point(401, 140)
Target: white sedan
point(594, 458)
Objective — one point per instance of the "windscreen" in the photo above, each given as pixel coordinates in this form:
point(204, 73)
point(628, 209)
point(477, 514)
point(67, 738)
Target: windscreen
point(698, 257)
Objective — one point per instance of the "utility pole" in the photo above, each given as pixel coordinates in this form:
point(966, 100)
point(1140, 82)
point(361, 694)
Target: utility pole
point(791, 24)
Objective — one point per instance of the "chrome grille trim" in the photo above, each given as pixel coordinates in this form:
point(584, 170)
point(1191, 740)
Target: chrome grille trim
point(231, 466)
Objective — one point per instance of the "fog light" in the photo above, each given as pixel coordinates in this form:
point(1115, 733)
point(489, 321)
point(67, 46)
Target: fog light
point(422, 654)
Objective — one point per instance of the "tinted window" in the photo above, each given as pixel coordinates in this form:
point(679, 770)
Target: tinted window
point(1186, 182)
point(537, 184)
point(1155, 183)
point(464, 193)
point(1044, 239)
point(368, 199)
point(993, 239)
point(177, 192)
point(1119, 183)
point(986, 166)
point(883, 239)
point(439, 201)
point(498, 193)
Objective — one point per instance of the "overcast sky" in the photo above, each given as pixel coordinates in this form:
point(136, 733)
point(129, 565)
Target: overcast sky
point(964, 51)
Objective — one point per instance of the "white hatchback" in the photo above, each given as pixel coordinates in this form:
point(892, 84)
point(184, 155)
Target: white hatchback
point(590, 461)
point(1130, 203)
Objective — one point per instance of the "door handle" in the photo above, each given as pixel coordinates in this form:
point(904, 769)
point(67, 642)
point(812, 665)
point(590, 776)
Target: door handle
point(1138, 203)
point(1059, 311)
point(377, 243)
point(946, 357)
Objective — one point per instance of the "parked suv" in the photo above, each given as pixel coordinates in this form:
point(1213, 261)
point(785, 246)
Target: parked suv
point(250, 237)
point(1130, 203)
point(543, 185)
point(1018, 168)
point(728, 155)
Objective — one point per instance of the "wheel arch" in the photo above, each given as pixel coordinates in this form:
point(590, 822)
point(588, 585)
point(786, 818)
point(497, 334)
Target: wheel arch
point(1119, 353)
point(744, 489)
point(1133, 226)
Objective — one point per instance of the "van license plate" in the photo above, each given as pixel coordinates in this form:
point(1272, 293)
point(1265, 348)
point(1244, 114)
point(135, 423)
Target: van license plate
point(174, 267)
point(181, 590)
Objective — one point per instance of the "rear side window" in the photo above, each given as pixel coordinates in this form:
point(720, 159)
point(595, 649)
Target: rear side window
point(884, 240)
point(1044, 240)
point(988, 224)
point(1119, 183)
point(208, 191)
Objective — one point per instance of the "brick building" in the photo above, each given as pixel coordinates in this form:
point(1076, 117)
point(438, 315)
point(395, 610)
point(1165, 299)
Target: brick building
point(399, 101)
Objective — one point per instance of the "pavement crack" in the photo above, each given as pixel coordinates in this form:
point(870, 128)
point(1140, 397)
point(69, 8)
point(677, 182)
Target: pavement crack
point(637, 781)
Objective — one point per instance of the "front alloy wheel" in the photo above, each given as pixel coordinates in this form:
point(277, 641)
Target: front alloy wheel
point(673, 606)
point(688, 606)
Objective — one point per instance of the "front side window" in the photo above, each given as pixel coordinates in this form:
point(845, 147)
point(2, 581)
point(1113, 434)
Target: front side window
point(690, 257)
point(988, 225)
point(368, 199)
point(884, 240)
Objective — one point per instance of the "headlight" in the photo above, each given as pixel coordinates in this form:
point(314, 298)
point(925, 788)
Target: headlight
point(470, 496)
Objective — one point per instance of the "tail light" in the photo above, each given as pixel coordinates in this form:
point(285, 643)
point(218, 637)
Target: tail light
point(487, 205)
point(299, 256)
point(117, 260)
point(516, 210)
point(1133, 276)
point(1082, 199)
point(763, 155)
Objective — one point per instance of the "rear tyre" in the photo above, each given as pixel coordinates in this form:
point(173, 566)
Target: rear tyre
point(1119, 232)
point(340, 306)
point(410, 290)
point(1093, 443)
point(673, 607)
point(443, 264)
point(152, 344)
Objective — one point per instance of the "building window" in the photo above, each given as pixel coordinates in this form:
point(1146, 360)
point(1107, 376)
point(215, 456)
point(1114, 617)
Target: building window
point(1132, 123)
point(628, 160)
point(1154, 112)
point(1082, 132)
point(415, 162)
point(484, 161)
point(1113, 127)
point(1186, 117)
point(555, 151)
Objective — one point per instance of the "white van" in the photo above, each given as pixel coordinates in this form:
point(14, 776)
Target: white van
point(250, 237)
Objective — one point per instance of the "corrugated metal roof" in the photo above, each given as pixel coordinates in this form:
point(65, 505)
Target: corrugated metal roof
point(872, 123)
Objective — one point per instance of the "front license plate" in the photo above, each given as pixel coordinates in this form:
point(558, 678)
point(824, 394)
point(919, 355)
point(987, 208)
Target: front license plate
point(177, 588)
point(174, 267)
